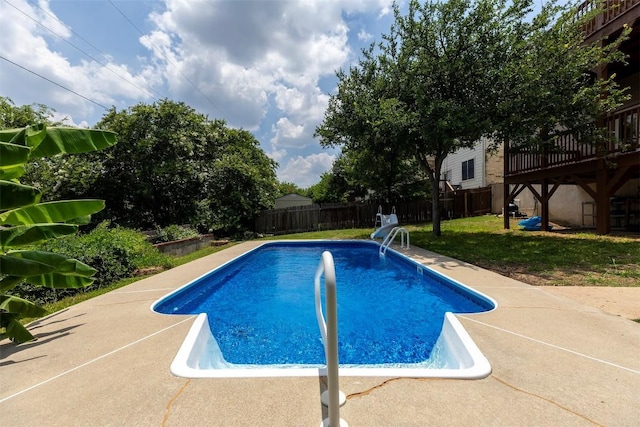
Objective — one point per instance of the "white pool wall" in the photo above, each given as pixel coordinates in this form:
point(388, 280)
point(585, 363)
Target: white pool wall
point(200, 357)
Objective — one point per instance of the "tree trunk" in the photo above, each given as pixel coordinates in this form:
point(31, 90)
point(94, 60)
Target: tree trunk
point(434, 179)
point(435, 210)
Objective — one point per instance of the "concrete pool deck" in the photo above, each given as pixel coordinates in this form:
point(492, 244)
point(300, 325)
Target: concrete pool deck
point(106, 362)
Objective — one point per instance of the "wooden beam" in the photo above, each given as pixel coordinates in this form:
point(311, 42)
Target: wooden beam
point(505, 187)
point(617, 180)
point(505, 206)
point(535, 193)
point(584, 186)
point(553, 189)
point(515, 193)
point(508, 198)
point(587, 166)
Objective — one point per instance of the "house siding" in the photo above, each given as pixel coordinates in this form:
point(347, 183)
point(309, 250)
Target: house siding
point(452, 166)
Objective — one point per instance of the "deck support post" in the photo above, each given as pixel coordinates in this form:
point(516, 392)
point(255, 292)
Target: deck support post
point(505, 187)
point(544, 205)
point(505, 206)
point(603, 225)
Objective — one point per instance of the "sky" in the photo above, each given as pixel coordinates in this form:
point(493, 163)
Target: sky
point(264, 66)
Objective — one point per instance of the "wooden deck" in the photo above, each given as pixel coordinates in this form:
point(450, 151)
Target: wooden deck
point(615, 14)
point(599, 170)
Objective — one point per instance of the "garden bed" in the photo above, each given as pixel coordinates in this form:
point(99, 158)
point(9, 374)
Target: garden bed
point(186, 246)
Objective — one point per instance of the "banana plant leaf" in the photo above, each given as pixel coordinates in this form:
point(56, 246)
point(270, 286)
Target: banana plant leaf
point(12, 309)
point(82, 220)
point(11, 173)
point(30, 136)
point(14, 195)
point(52, 212)
point(9, 282)
point(21, 235)
point(14, 265)
point(47, 142)
point(14, 330)
point(12, 155)
point(59, 281)
point(58, 264)
point(22, 307)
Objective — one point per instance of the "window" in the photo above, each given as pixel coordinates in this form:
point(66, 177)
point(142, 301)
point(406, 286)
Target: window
point(468, 170)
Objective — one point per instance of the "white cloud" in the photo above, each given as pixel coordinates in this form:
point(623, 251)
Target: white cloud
point(277, 154)
point(243, 61)
point(289, 130)
point(244, 52)
point(44, 74)
point(306, 171)
point(67, 120)
point(250, 55)
point(364, 36)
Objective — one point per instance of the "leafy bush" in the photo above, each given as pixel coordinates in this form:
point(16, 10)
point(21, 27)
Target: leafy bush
point(115, 252)
point(175, 232)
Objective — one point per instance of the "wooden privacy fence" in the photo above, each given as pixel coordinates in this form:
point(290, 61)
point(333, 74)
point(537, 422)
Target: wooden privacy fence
point(333, 216)
point(464, 203)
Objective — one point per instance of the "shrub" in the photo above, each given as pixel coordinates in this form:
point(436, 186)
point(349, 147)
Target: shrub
point(116, 253)
point(175, 232)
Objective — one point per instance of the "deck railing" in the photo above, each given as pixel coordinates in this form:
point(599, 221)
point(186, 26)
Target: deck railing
point(611, 10)
point(623, 129)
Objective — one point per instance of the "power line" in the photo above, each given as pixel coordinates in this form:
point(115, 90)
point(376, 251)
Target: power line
point(106, 66)
point(168, 59)
point(51, 81)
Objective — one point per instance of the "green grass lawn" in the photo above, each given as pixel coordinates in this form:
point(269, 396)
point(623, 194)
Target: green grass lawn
point(540, 258)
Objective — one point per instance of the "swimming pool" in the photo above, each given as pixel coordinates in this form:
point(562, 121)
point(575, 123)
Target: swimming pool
point(258, 316)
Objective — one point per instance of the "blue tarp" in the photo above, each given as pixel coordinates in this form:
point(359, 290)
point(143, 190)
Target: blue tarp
point(532, 224)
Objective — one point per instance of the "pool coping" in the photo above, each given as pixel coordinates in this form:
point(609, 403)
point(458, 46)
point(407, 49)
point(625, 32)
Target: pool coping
point(105, 361)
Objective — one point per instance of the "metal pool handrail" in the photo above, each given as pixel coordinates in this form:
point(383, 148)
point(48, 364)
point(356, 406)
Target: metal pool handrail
point(329, 332)
point(391, 236)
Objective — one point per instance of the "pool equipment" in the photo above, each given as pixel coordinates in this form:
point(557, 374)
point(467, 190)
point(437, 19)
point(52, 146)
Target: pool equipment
point(384, 223)
point(404, 235)
point(387, 228)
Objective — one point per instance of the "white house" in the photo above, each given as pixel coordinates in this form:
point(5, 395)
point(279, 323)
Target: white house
point(291, 200)
point(465, 169)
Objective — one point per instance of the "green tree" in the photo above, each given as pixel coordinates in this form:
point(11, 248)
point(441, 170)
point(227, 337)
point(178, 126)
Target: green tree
point(327, 190)
point(451, 72)
point(368, 120)
point(241, 181)
point(175, 166)
point(285, 188)
point(551, 90)
point(24, 221)
point(14, 117)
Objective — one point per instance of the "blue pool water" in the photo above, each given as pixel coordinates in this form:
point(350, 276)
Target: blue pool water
point(261, 311)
